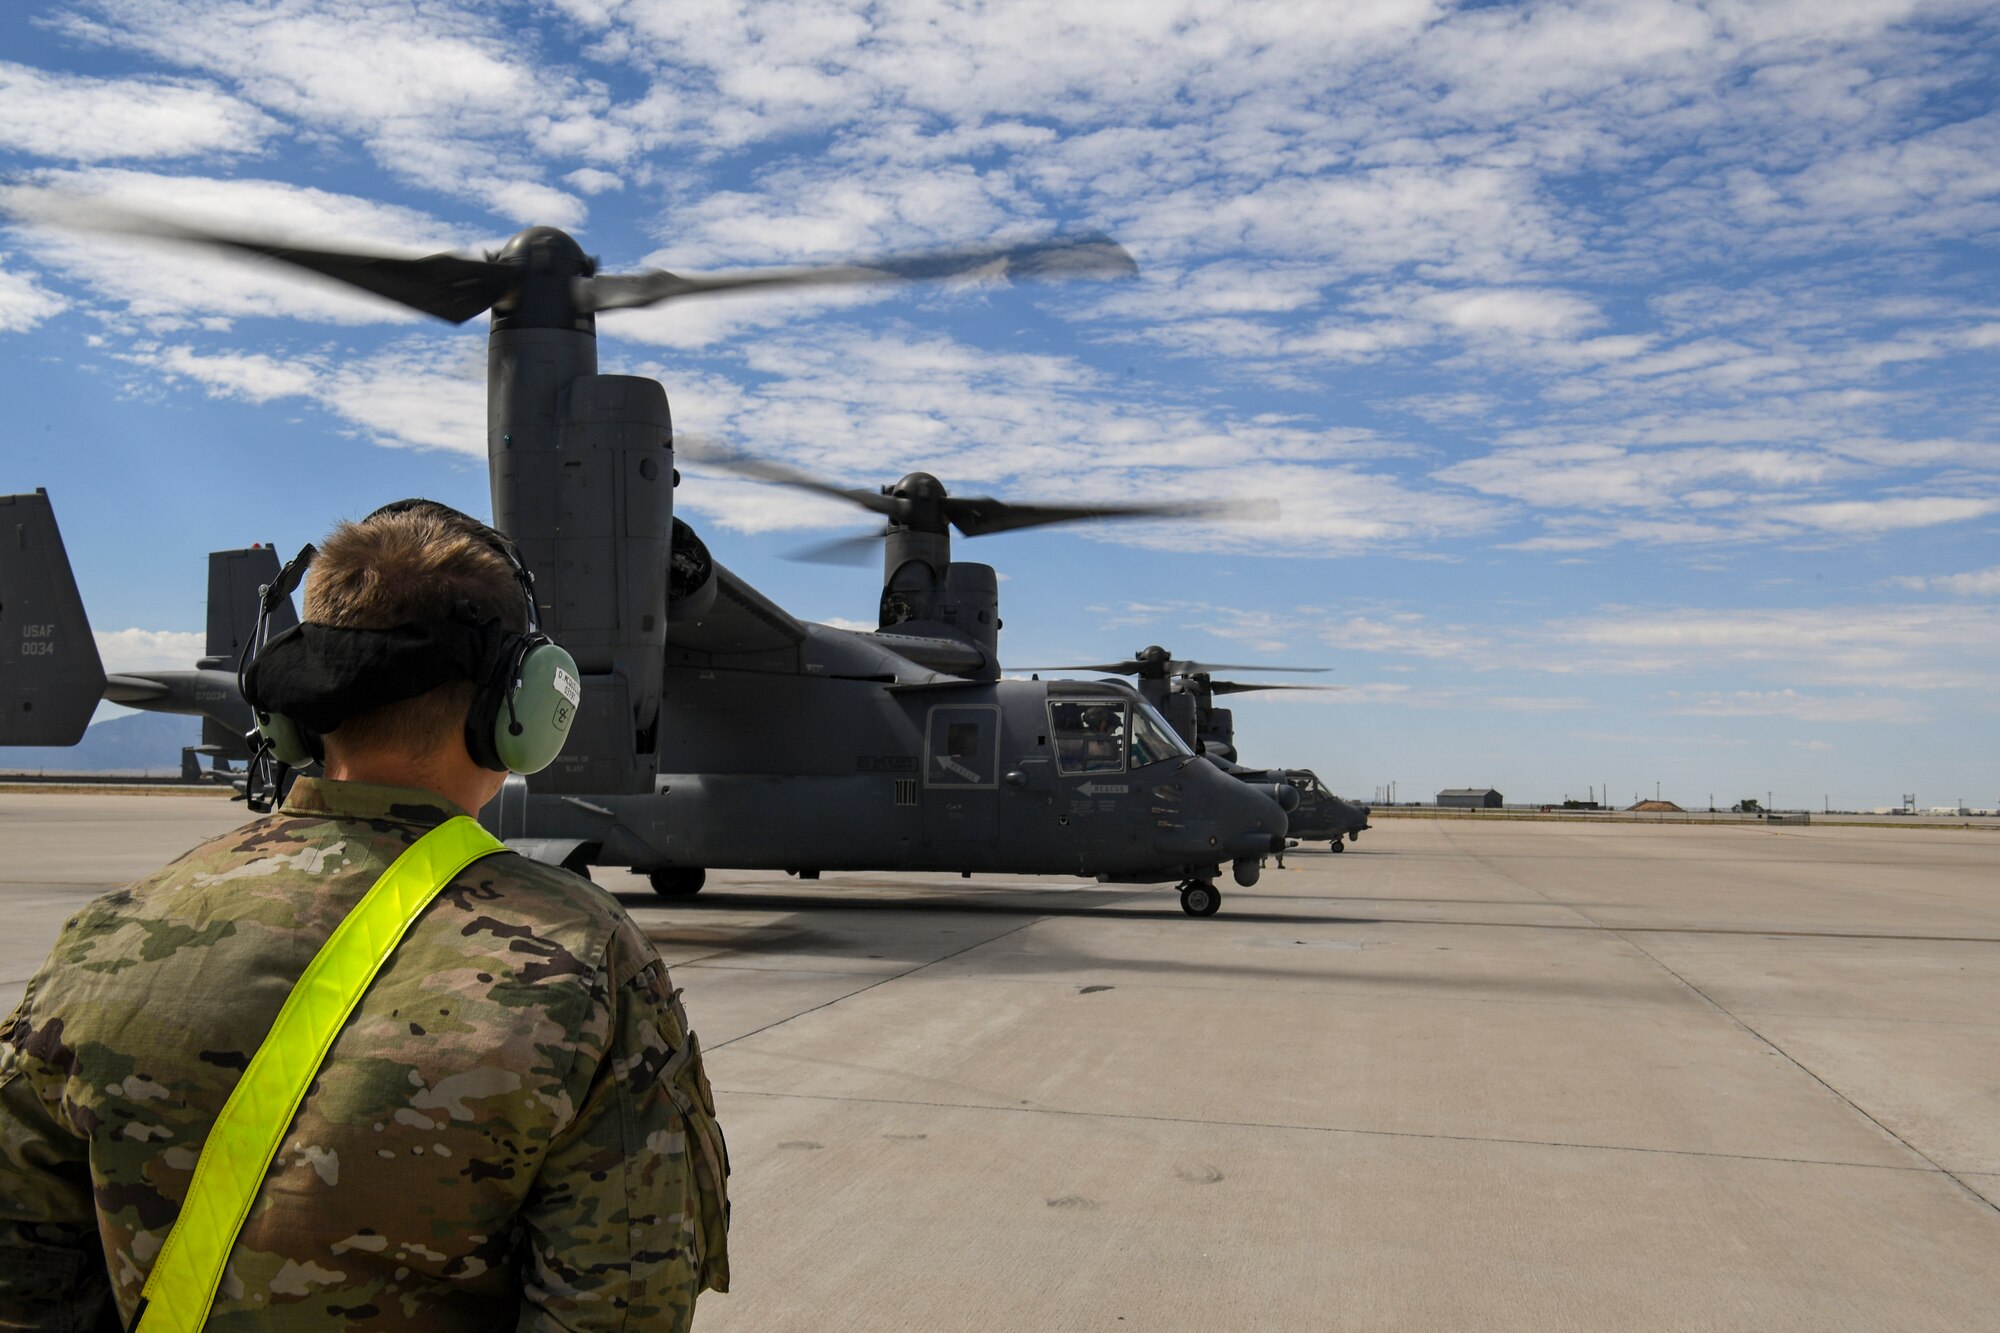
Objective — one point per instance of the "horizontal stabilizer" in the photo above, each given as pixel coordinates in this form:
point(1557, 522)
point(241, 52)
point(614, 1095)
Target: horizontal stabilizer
point(50, 675)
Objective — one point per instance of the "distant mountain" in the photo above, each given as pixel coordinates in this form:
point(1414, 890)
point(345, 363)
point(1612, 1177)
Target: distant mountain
point(135, 743)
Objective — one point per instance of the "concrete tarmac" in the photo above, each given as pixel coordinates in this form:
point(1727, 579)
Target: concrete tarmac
point(1507, 1075)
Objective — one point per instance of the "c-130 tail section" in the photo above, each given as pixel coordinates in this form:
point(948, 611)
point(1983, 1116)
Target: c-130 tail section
point(233, 580)
point(50, 674)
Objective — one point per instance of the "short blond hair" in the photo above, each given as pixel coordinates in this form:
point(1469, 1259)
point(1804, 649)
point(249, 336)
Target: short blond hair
point(405, 566)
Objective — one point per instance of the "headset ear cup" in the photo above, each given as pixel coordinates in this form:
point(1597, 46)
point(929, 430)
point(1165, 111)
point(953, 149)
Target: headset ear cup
point(528, 730)
point(289, 744)
point(488, 704)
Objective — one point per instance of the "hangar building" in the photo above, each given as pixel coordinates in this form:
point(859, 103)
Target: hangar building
point(1469, 798)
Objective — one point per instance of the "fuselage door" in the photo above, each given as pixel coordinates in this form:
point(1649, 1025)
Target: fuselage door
point(962, 773)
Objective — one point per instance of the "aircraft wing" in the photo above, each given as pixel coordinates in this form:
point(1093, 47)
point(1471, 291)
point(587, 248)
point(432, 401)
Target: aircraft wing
point(741, 622)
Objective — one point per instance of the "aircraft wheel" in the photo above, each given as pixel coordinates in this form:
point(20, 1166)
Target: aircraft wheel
point(1199, 898)
point(678, 881)
point(1339, 846)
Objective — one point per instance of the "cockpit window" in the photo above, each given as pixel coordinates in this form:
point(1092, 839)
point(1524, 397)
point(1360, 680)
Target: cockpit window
point(1089, 734)
point(1152, 739)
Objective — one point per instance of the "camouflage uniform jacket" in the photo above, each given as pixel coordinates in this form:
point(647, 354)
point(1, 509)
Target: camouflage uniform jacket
point(513, 1129)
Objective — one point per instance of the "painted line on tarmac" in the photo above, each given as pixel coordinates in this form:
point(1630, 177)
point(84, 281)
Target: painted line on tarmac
point(1760, 1038)
point(879, 981)
point(1931, 1169)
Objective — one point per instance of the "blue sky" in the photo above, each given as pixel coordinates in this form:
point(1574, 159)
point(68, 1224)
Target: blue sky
point(1624, 373)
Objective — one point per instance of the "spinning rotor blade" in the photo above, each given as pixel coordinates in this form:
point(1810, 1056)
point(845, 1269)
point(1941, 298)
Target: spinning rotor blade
point(1089, 256)
point(451, 287)
point(1180, 668)
point(763, 469)
point(1133, 666)
point(1095, 668)
point(1244, 686)
point(856, 550)
point(980, 516)
point(456, 288)
point(448, 286)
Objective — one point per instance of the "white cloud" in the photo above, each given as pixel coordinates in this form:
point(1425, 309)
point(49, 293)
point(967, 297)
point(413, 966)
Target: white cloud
point(1803, 707)
point(1595, 476)
point(592, 181)
point(1404, 633)
point(148, 649)
point(425, 392)
point(79, 119)
point(421, 392)
point(1976, 583)
point(1786, 658)
point(24, 303)
point(865, 409)
point(1888, 515)
point(1521, 211)
point(251, 376)
point(440, 93)
point(1910, 647)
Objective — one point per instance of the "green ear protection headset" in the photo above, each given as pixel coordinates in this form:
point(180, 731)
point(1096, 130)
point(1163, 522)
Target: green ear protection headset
point(306, 681)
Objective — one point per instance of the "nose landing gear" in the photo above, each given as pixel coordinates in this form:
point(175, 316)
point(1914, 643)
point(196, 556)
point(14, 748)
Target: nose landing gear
point(1199, 897)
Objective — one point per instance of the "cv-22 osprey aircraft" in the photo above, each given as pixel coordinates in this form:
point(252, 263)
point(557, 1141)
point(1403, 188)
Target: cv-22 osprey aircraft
point(1185, 693)
point(715, 728)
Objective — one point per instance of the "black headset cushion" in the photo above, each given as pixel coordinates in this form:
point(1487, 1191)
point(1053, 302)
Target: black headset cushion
point(321, 675)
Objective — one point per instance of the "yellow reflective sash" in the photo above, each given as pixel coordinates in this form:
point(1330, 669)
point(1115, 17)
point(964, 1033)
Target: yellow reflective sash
point(246, 1135)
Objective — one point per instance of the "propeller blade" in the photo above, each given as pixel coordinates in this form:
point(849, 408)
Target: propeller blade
point(856, 550)
point(451, 287)
point(763, 469)
point(1244, 686)
point(980, 516)
point(1090, 256)
point(1097, 668)
point(1180, 668)
point(1133, 666)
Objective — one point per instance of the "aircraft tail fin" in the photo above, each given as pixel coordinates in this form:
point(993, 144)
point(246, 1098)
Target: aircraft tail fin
point(233, 580)
point(51, 677)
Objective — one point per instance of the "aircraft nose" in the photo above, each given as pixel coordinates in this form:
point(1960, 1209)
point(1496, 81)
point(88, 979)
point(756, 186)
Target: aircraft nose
point(1269, 811)
point(1246, 821)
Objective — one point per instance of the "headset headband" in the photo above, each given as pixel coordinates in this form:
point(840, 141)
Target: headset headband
point(500, 543)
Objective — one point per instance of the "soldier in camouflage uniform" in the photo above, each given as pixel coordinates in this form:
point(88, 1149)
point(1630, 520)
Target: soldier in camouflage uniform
point(513, 1129)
